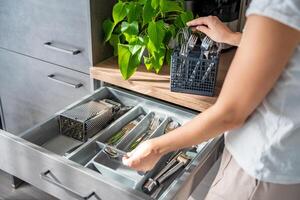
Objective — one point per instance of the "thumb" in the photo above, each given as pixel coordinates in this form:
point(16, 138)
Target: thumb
point(203, 29)
point(126, 160)
point(129, 154)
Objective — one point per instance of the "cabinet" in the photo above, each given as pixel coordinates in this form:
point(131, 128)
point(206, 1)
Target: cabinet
point(32, 90)
point(62, 32)
point(46, 49)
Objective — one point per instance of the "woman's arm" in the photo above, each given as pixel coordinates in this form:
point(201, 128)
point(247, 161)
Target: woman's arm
point(264, 51)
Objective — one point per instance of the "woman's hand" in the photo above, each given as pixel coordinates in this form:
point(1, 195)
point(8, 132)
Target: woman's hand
point(144, 157)
point(216, 30)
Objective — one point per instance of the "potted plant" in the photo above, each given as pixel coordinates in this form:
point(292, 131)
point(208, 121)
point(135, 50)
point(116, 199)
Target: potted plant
point(141, 31)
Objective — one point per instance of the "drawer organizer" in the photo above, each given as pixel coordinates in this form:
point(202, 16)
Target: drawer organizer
point(68, 168)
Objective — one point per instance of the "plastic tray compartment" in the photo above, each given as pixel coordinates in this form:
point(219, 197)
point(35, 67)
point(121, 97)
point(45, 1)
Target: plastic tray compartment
point(88, 150)
point(140, 129)
point(47, 134)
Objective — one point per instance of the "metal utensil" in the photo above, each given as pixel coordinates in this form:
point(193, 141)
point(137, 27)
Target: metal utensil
point(172, 125)
point(192, 41)
point(207, 72)
point(156, 193)
point(185, 49)
point(155, 121)
point(206, 43)
point(182, 160)
point(111, 151)
point(118, 136)
point(152, 183)
point(171, 168)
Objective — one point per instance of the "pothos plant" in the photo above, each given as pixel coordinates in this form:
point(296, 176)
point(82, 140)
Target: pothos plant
point(141, 30)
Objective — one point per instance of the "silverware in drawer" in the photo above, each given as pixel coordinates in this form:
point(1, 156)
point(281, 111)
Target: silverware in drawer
point(94, 170)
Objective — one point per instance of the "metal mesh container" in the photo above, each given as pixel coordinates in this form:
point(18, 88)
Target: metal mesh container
point(85, 120)
point(194, 74)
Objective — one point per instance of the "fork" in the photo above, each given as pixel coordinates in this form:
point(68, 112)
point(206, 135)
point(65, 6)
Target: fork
point(206, 44)
point(192, 41)
point(186, 48)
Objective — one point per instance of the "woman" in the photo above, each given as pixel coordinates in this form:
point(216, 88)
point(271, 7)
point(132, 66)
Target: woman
point(259, 106)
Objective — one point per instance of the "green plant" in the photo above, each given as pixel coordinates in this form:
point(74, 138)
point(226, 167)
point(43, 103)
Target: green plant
point(143, 29)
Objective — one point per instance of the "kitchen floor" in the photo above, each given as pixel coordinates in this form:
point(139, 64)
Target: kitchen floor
point(28, 192)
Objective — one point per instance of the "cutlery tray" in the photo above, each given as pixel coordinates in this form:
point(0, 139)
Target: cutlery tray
point(194, 74)
point(72, 169)
point(93, 156)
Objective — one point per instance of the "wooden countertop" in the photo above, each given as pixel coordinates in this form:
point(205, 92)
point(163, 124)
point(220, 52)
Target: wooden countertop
point(158, 85)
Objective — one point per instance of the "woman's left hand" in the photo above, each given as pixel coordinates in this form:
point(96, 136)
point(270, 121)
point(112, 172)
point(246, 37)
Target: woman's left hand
point(143, 158)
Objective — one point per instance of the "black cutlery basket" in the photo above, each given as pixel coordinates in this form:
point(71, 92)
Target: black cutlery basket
point(194, 74)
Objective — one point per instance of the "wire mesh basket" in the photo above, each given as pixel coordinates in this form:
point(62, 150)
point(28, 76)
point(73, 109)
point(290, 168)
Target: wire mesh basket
point(196, 73)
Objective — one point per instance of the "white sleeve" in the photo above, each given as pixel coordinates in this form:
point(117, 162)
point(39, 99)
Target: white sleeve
point(284, 11)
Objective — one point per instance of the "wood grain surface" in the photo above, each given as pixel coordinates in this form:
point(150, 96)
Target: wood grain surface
point(158, 85)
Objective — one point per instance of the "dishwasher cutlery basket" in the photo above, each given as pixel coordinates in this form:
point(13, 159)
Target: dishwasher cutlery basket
point(198, 75)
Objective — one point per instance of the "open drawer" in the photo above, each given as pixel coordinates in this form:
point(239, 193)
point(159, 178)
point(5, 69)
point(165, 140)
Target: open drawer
point(69, 168)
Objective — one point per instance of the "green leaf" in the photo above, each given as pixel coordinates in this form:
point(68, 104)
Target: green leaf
point(114, 41)
point(158, 59)
point(108, 27)
point(178, 22)
point(136, 45)
point(186, 16)
point(156, 32)
point(170, 32)
point(130, 28)
point(128, 62)
point(123, 59)
point(134, 12)
point(134, 48)
point(119, 12)
point(168, 56)
point(170, 6)
point(148, 63)
point(155, 3)
point(148, 12)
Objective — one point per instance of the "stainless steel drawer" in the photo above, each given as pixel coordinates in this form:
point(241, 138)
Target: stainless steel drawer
point(58, 32)
point(75, 175)
point(28, 87)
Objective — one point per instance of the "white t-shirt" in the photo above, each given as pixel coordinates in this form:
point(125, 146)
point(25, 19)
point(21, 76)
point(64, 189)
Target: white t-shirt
point(267, 147)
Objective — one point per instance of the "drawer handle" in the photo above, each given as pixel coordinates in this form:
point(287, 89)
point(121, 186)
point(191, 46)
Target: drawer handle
point(76, 85)
point(2, 122)
point(44, 176)
point(50, 45)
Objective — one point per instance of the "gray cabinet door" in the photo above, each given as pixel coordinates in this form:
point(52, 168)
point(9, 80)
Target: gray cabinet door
point(57, 31)
point(32, 90)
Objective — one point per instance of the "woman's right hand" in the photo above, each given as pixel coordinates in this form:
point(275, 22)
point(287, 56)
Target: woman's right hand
point(216, 30)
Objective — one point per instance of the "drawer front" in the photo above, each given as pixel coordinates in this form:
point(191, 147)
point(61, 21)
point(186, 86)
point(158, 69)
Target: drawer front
point(32, 90)
point(76, 178)
point(56, 31)
point(64, 180)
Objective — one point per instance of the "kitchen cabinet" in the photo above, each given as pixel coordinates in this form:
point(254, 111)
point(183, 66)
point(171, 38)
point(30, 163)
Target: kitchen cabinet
point(75, 175)
point(62, 32)
point(32, 90)
point(46, 49)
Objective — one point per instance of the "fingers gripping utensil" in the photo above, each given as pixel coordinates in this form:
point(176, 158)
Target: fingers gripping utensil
point(111, 151)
